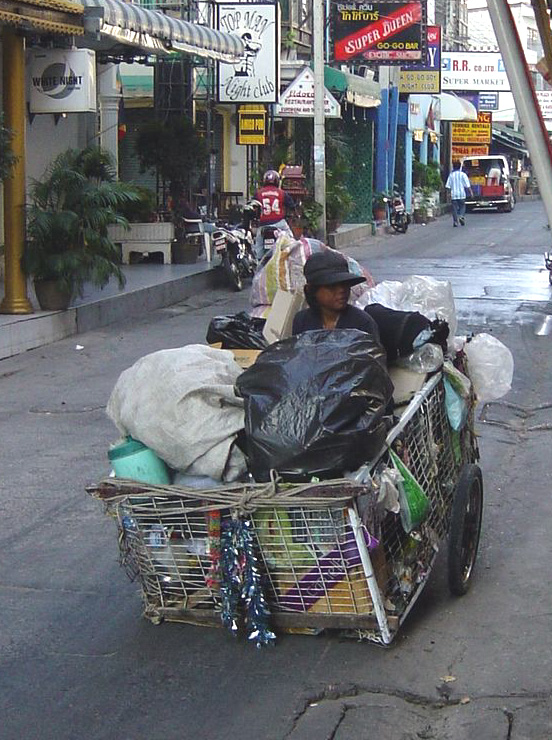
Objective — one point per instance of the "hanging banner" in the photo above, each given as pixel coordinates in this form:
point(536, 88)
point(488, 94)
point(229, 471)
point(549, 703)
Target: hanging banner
point(387, 32)
point(251, 127)
point(297, 100)
point(473, 132)
point(62, 80)
point(473, 70)
point(424, 78)
point(255, 78)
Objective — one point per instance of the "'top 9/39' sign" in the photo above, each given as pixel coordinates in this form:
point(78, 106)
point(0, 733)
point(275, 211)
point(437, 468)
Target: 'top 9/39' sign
point(387, 31)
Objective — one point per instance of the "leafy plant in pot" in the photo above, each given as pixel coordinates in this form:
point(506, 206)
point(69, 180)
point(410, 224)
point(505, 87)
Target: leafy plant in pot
point(379, 210)
point(67, 237)
point(311, 211)
point(339, 202)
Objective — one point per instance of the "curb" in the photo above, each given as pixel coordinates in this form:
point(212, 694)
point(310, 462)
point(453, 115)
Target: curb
point(21, 333)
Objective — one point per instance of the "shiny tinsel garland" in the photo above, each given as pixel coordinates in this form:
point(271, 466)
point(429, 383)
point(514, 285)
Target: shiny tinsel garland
point(241, 580)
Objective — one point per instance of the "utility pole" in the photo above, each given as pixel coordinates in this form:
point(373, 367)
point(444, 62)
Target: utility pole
point(525, 98)
point(319, 122)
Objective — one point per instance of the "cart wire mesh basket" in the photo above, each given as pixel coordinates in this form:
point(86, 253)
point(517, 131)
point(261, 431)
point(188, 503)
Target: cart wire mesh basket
point(330, 555)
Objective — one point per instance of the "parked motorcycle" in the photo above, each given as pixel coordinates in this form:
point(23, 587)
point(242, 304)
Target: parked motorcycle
point(398, 217)
point(548, 264)
point(234, 244)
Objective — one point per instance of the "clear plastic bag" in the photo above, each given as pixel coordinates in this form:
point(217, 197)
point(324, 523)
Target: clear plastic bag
point(490, 366)
point(425, 359)
point(432, 298)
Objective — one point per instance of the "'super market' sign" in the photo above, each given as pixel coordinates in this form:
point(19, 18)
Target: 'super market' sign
point(473, 70)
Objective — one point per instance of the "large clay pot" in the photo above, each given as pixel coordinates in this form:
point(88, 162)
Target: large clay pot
point(52, 296)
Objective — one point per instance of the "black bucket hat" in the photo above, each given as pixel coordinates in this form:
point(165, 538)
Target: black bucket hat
point(328, 268)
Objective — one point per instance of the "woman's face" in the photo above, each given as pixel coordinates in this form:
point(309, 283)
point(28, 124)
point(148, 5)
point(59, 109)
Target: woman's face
point(333, 297)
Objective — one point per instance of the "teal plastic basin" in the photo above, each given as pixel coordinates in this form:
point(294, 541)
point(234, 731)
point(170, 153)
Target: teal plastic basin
point(134, 460)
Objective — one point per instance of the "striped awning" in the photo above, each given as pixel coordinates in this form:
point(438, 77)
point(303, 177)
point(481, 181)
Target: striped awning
point(157, 32)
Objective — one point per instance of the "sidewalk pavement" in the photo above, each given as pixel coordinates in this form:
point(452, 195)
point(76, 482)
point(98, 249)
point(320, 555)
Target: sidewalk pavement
point(148, 287)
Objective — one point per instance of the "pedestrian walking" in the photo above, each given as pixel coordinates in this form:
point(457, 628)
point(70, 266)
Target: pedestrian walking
point(458, 183)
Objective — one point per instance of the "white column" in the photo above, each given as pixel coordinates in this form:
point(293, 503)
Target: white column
point(108, 101)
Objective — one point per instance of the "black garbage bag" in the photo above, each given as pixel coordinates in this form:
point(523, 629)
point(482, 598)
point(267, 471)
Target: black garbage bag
point(314, 404)
point(239, 331)
point(399, 329)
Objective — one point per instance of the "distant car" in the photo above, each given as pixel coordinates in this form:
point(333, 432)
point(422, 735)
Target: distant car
point(491, 183)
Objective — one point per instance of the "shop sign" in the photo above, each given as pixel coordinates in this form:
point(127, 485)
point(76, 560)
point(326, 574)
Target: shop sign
point(251, 125)
point(386, 32)
point(488, 101)
point(473, 70)
point(424, 78)
point(545, 102)
point(297, 100)
point(62, 80)
point(255, 77)
point(473, 132)
point(469, 150)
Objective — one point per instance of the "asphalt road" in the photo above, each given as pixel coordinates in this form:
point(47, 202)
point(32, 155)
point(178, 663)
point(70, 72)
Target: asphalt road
point(79, 661)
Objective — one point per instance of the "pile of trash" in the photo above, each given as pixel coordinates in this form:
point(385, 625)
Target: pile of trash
point(226, 431)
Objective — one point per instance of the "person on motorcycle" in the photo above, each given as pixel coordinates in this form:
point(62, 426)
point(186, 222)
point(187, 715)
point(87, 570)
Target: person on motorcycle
point(275, 203)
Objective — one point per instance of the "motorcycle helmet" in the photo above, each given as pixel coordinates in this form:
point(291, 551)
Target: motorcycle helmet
point(271, 177)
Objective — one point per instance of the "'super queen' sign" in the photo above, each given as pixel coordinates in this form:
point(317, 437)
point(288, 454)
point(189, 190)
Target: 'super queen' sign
point(387, 31)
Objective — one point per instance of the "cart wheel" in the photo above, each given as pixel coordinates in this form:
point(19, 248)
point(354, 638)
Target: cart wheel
point(465, 528)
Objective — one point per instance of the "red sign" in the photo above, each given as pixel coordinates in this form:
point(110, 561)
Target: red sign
point(393, 31)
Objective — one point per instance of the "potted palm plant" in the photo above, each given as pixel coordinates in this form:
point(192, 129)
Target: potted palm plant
point(67, 229)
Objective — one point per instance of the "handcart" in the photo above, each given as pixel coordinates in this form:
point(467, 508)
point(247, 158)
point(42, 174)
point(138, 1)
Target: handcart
point(328, 554)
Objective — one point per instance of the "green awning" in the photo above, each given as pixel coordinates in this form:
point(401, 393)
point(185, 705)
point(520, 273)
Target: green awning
point(353, 88)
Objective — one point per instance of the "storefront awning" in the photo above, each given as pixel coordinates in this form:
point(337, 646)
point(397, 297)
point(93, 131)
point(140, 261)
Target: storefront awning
point(354, 89)
point(454, 108)
point(47, 16)
point(155, 32)
point(509, 138)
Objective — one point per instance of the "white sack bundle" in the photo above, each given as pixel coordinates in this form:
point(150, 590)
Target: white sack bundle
point(181, 403)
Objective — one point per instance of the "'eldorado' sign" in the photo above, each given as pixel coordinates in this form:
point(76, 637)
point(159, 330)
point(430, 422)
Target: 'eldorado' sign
point(390, 32)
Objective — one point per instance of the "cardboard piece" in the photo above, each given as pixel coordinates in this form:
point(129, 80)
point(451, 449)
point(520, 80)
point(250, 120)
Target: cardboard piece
point(244, 357)
point(280, 319)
